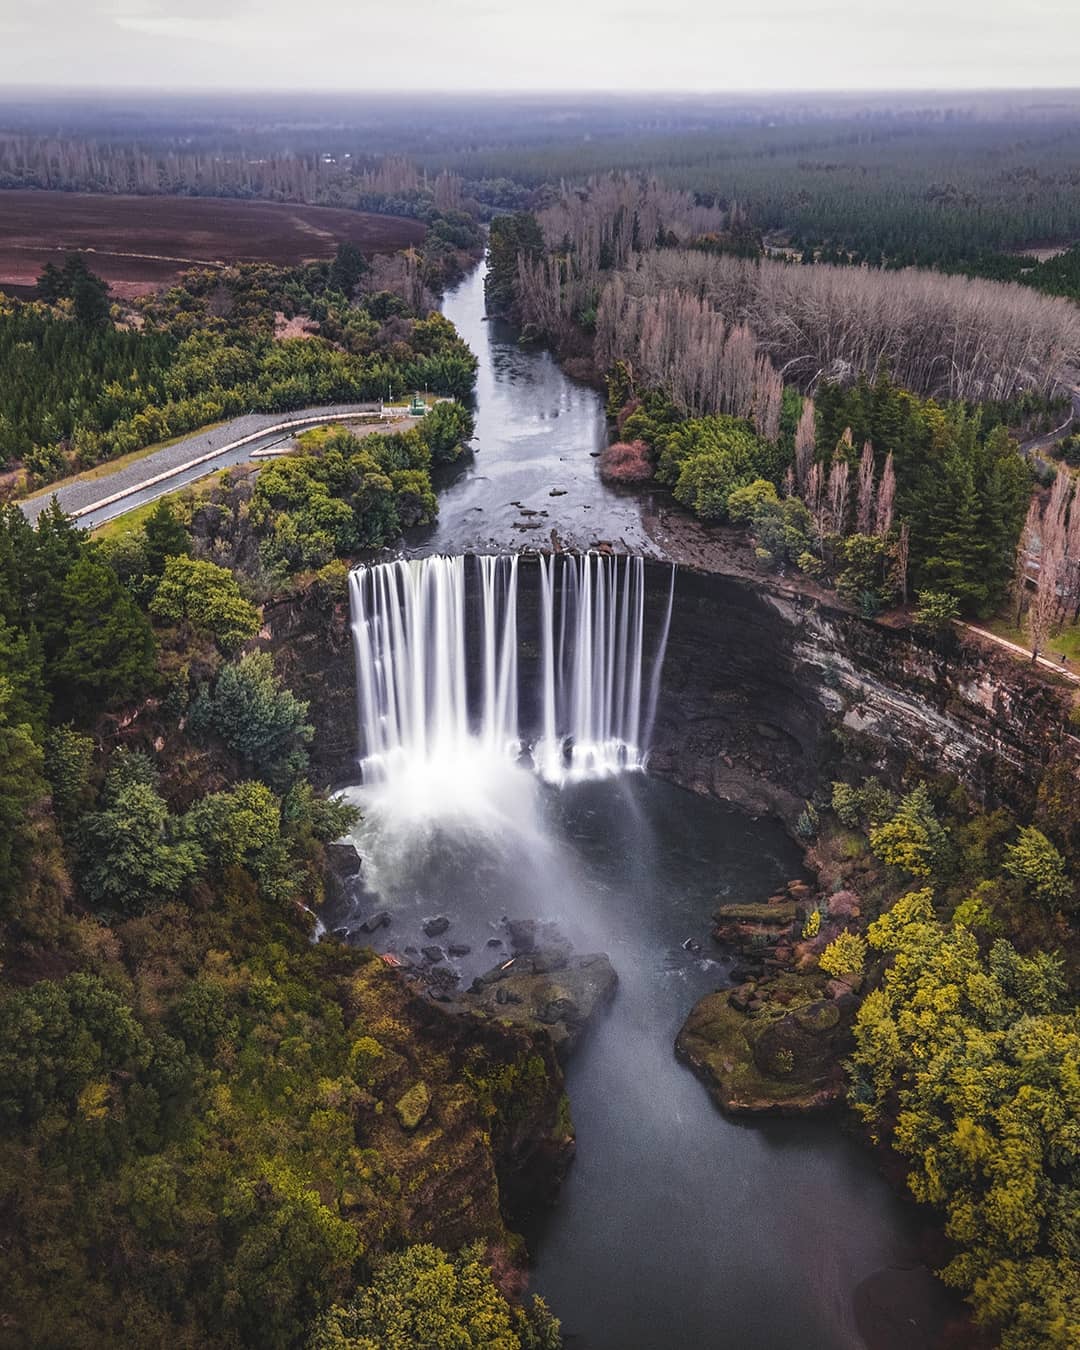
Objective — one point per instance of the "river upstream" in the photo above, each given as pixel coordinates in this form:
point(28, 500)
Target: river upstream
point(676, 1226)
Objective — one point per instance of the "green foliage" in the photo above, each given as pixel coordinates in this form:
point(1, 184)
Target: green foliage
point(707, 459)
point(845, 955)
point(863, 564)
point(207, 351)
point(913, 840)
point(510, 236)
point(969, 1067)
point(962, 486)
point(744, 503)
point(108, 647)
point(1036, 862)
point(69, 757)
point(344, 495)
point(208, 599)
point(936, 611)
point(22, 785)
point(131, 856)
point(808, 823)
point(424, 1299)
point(445, 430)
point(256, 718)
point(166, 537)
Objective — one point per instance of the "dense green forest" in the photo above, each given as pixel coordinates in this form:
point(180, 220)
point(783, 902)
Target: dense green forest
point(85, 389)
point(881, 493)
point(200, 1110)
point(1059, 275)
point(966, 1042)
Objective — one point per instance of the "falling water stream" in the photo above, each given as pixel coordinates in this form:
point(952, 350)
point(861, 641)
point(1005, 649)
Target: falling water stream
point(504, 728)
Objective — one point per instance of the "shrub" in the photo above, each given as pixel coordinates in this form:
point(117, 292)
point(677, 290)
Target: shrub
point(206, 597)
point(913, 839)
point(847, 804)
point(812, 926)
point(936, 611)
point(626, 462)
point(424, 1299)
point(445, 429)
point(845, 955)
point(1036, 862)
point(258, 720)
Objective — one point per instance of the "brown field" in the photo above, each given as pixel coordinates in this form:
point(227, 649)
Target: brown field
point(139, 244)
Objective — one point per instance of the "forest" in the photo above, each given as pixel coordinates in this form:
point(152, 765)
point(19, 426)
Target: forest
point(192, 1105)
point(966, 1041)
point(86, 389)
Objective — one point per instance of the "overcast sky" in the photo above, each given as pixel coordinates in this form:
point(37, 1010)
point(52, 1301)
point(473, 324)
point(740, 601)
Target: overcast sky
point(475, 45)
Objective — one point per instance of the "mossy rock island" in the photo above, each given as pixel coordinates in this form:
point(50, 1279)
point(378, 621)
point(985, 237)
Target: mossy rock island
point(775, 1049)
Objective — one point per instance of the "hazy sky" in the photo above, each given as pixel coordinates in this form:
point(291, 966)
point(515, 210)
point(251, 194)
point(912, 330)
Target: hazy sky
point(472, 45)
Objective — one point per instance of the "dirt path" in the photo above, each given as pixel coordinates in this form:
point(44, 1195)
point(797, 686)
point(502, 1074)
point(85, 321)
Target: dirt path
point(1025, 652)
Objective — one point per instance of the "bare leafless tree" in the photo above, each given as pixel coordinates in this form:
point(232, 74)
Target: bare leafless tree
point(817, 502)
point(864, 515)
point(901, 552)
point(805, 442)
point(948, 336)
point(886, 498)
point(839, 475)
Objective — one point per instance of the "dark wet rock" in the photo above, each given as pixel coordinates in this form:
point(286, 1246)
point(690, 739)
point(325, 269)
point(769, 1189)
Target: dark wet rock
point(432, 954)
point(522, 935)
point(342, 873)
point(740, 998)
point(343, 859)
point(437, 926)
point(528, 937)
point(494, 942)
point(691, 945)
point(412, 951)
point(561, 998)
point(373, 922)
point(459, 949)
point(773, 1050)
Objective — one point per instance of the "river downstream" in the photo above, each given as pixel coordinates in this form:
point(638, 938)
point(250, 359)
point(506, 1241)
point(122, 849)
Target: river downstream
point(676, 1226)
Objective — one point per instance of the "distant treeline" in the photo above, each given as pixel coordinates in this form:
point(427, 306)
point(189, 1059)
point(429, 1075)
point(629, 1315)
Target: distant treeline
point(899, 181)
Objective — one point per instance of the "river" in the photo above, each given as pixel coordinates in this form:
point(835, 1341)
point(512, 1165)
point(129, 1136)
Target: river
point(676, 1227)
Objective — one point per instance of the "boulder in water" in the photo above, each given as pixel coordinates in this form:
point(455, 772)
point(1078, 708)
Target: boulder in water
point(343, 860)
point(432, 954)
point(373, 922)
point(437, 926)
point(548, 989)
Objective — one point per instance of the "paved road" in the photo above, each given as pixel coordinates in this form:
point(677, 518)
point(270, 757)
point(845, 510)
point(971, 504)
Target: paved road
point(96, 500)
point(1050, 438)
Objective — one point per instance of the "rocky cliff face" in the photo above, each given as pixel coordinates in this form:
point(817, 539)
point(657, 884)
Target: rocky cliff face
point(766, 693)
point(312, 645)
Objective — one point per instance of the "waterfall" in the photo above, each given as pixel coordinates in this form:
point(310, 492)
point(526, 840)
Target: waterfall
point(438, 644)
